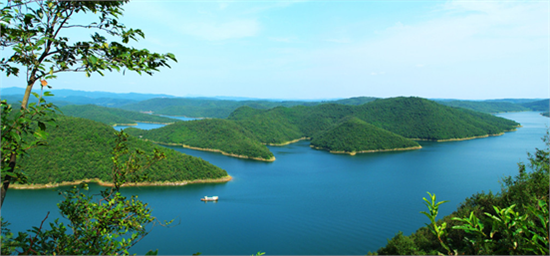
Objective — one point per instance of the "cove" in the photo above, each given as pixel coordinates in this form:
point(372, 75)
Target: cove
point(310, 201)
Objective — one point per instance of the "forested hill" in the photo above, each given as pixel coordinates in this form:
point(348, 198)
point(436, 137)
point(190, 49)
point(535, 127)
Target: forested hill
point(209, 134)
point(499, 106)
point(424, 119)
point(541, 105)
point(486, 107)
point(355, 136)
point(81, 149)
point(113, 116)
point(380, 125)
point(214, 108)
point(191, 107)
point(414, 118)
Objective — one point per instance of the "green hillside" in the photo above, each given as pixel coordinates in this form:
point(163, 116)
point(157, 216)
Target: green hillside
point(486, 106)
point(412, 117)
point(209, 134)
point(204, 107)
point(354, 136)
point(380, 124)
point(427, 120)
point(353, 101)
point(112, 116)
point(214, 108)
point(81, 149)
point(541, 105)
point(273, 126)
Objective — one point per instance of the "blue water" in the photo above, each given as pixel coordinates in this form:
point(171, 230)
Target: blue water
point(314, 202)
point(182, 118)
point(148, 126)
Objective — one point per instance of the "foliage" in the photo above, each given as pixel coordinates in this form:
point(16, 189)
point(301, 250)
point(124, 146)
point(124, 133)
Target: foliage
point(354, 135)
point(106, 226)
point(33, 32)
point(514, 221)
point(21, 131)
point(204, 107)
point(220, 134)
point(78, 147)
point(485, 106)
point(541, 105)
point(380, 124)
point(438, 230)
point(112, 116)
point(412, 117)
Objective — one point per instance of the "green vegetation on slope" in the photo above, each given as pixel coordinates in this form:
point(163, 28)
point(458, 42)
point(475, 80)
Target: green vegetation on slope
point(81, 149)
point(214, 108)
point(272, 126)
point(354, 135)
point(485, 106)
point(353, 101)
point(112, 116)
point(383, 119)
point(213, 134)
point(412, 117)
point(424, 119)
point(204, 107)
point(523, 191)
point(541, 105)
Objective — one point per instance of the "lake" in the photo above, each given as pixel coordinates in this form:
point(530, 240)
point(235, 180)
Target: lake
point(310, 201)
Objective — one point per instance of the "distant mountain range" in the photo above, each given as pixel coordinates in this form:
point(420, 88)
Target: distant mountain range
point(221, 107)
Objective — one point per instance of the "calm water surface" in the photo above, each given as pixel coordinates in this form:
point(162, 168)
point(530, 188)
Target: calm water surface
point(148, 126)
point(310, 201)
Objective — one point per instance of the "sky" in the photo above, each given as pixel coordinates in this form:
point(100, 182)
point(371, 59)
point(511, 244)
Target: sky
point(334, 49)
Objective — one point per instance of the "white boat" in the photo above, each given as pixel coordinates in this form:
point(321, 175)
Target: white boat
point(211, 198)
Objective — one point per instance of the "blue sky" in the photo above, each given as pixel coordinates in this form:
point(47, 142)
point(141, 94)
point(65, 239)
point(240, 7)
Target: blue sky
point(336, 49)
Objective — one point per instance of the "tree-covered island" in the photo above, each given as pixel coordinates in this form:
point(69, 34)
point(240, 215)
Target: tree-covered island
point(379, 125)
point(76, 152)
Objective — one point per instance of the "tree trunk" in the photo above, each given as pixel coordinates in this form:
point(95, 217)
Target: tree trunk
point(13, 157)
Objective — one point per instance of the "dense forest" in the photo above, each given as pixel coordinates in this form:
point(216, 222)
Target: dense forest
point(80, 149)
point(214, 108)
point(353, 135)
point(196, 107)
point(519, 227)
point(112, 116)
point(413, 118)
point(214, 134)
point(541, 105)
point(380, 120)
point(486, 106)
point(499, 106)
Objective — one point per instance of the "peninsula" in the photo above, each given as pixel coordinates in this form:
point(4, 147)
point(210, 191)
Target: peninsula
point(79, 150)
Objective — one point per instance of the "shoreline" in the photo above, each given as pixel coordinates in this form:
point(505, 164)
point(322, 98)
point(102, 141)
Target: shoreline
point(352, 153)
point(462, 139)
point(215, 151)
point(286, 142)
point(109, 184)
point(136, 123)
